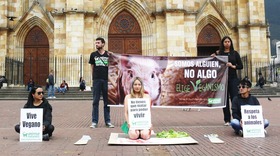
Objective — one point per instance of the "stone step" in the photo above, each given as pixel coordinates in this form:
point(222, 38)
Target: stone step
point(20, 93)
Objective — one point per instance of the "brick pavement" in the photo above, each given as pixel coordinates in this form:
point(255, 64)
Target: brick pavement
point(72, 120)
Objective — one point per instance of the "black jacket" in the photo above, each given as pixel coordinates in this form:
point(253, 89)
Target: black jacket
point(238, 101)
point(47, 111)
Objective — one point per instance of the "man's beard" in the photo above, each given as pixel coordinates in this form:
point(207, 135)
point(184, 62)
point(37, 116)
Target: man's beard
point(98, 48)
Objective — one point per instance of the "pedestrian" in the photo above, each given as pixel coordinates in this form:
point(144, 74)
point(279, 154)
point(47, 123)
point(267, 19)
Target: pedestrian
point(82, 84)
point(243, 98)
point(51, 85)
point(30, 84)
point(260, 81)
point(234, 63)
point(136, 91)
point(36, 100)
point(99, 64)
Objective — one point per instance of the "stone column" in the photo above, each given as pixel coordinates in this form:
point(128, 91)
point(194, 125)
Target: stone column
point(174, 15)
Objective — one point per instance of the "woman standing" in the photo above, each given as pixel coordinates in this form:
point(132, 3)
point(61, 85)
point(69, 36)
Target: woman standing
point(234, 63)
point(136, 91)
point(36, 100)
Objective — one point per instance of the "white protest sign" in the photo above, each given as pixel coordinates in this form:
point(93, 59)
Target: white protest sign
point(252, 121)
point(31, 123)
point(139, 113)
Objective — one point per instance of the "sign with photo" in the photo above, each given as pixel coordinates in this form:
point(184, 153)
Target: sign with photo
point(31, 125)
point(252, 121)
point(139, 113)
point(199, 82)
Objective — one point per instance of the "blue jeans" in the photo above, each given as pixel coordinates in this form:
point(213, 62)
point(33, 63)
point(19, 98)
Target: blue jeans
point(62, 90)
point(100, 85)
point(235, 124)
point(51, 90)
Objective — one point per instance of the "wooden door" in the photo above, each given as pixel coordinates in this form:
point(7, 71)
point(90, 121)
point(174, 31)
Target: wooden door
point(125, 34)
point(36, 56)
point(208, 41)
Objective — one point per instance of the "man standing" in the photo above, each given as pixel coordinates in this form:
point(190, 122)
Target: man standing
point(51, 85)
point(99, 63)
point(244, 98)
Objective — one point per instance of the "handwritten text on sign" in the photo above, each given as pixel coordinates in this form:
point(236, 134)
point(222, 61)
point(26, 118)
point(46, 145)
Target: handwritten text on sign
point(139, 113)
point(252, 120)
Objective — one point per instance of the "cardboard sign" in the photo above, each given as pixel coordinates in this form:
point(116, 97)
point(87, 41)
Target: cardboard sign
point(252, 121)
point(31, 125)
point(123, 139)
point(139, 113)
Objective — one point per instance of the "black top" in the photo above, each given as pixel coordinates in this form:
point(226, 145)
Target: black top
point(234, 59)
point(47, 111)
point(51, 79)
point(238, 101)
point(100, 63)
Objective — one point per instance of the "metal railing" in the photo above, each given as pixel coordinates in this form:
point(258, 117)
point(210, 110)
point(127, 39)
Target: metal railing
point(69, 68)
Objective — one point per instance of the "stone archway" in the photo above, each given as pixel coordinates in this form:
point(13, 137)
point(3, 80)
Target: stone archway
point(36, 56)
point(124, 35)
point(208, 41)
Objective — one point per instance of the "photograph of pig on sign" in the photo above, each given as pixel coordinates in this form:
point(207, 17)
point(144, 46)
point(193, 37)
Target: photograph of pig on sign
point(199, 82)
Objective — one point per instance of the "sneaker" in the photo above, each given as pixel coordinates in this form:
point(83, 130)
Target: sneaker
point(240, 133)
point(109, 125)
point(54, 97)
point(93, 125)
point(46, 137)
point(49, 97)
point(227, 124)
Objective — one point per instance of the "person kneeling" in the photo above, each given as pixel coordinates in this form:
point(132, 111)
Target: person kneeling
point(36, 100)
point(243, 98)
point(136, 91)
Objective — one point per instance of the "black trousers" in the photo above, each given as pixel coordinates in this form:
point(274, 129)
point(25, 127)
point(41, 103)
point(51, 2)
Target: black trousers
point(48, 129)
point(232, 92)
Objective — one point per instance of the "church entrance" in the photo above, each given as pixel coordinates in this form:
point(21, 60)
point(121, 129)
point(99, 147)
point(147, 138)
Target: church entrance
point(36, 56)
point(208, 41)
point(124, 35)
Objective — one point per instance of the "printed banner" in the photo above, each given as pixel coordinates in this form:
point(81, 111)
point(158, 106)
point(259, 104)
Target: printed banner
point(31, 125)
point(199, 82)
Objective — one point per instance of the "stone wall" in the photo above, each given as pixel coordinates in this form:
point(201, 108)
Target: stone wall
point(169, 27)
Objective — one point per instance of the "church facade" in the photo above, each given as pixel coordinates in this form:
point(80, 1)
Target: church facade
point(42, 35)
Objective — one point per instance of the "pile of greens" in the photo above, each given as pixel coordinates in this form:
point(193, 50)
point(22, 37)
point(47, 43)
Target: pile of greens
point(172, 134)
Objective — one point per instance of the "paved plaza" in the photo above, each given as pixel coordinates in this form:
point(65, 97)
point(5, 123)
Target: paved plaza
point(72, 120)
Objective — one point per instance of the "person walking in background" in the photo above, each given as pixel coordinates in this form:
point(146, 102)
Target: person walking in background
point(244, 98)
point(30, 84)
point(82, 84)
point(260, 81)
point(234, 63)
point(136, 91)
point(51, 85)
point(36, 100)
point(99, 63)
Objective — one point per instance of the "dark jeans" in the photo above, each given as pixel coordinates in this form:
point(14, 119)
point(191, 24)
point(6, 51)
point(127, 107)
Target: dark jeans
point(48, 130)
point(231, 93)
point(100, 85)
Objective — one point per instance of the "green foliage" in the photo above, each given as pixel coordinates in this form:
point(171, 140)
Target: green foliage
point(172, 134)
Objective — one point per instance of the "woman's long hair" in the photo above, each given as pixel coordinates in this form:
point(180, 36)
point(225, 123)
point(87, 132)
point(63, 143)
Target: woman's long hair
point(222, 47)
point(30, 96)
point(132, 90)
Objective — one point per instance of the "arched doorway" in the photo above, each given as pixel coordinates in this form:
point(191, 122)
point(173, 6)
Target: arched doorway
point(36, 56)
point(124, 35)
point(208, 41)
